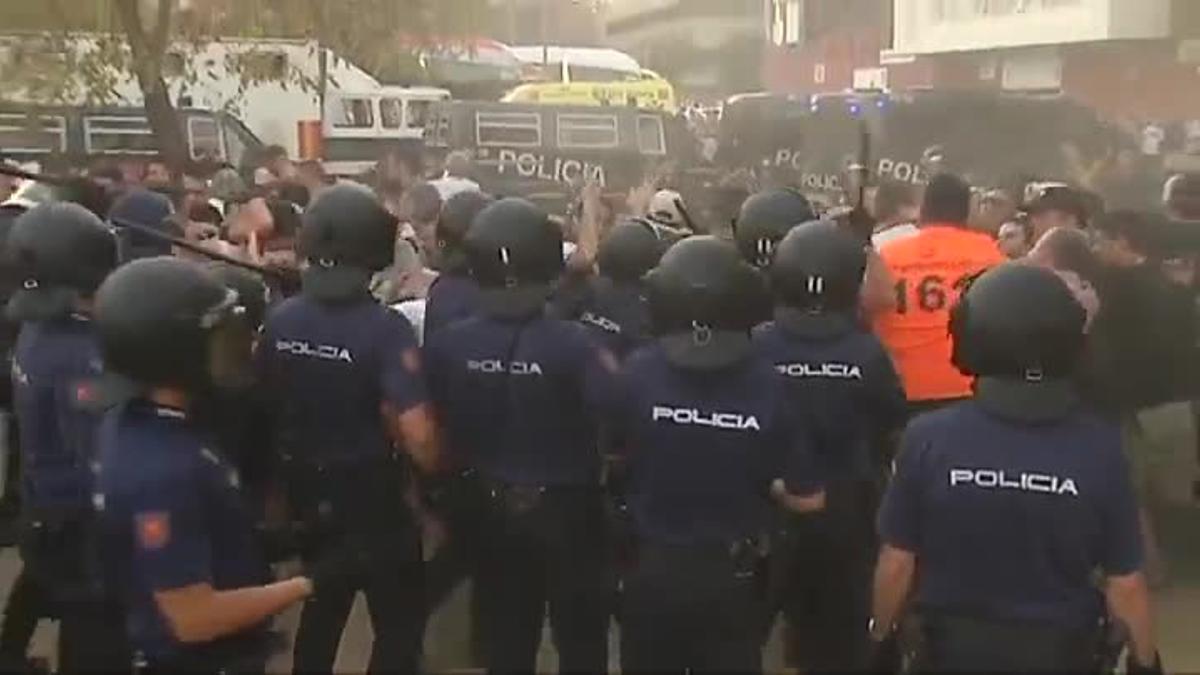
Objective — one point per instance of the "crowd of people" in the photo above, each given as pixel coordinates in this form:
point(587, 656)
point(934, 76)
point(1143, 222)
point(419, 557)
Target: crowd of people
point(918, 410)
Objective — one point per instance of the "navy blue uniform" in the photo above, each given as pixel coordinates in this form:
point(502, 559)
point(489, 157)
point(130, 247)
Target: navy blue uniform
point(703, 448)
point(516, 401)
point(327, 372)
point(451, 297)
point(1008, 523)
point(617, 315)
point(173, 516)
point(845, 386)
point(55, 366)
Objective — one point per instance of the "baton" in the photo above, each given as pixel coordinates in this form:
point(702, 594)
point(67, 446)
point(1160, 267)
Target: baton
point(284, 275)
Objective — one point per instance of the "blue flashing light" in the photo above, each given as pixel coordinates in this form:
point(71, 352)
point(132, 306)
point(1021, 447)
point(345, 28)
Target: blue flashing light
point(855, 109)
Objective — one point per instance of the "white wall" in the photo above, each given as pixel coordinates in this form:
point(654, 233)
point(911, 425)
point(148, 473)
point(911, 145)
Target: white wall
point(937, 26)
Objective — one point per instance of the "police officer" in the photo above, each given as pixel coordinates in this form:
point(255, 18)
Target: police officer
point(60, 253)
point(515, 391)
point(710, 440)
point(765, 218)
point(342, 375)
point(179, 545)
point(1004, 506)
point(614, 309)
point(453, 294)
point(841, 379)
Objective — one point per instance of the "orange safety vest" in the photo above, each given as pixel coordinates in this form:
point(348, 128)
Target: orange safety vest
point(931, 268)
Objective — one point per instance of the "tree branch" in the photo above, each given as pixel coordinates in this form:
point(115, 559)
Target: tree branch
point(132, 21)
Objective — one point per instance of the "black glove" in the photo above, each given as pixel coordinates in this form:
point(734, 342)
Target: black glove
point(860, 222)
point(1132, 667)
point(884, 656)
point(339, 569)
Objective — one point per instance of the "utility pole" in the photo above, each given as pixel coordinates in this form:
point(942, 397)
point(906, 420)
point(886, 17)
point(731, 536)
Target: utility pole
point(545, 33)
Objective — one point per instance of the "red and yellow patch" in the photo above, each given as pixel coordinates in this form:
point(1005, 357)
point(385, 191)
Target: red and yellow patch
point(153, 530)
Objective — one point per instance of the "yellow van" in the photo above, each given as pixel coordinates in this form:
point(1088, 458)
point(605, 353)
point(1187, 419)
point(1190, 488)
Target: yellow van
point(649, 92)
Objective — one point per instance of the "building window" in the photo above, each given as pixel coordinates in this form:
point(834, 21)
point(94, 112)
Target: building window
point(521, 130)
point(787, 22)
point(587, 131)
point(966, 10)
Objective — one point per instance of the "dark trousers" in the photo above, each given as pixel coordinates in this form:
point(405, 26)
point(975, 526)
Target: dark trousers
point(361, 504)
point(821, 579)
point(962, 644)
point(462, 507)
point(686, 608)
point(52, 585)
point(545, 550)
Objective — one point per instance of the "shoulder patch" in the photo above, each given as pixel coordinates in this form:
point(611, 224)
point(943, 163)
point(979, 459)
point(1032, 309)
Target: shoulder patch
point(153, 530)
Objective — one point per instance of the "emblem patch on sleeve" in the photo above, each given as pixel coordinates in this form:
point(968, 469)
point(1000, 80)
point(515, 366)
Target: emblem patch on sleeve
point(153, 530)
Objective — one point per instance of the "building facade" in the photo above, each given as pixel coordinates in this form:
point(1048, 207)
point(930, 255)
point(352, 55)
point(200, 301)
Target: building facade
point(1136, 60)
point(707, 48)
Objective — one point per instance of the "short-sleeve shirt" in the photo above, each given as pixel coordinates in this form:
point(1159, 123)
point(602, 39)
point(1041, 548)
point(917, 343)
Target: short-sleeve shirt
point(704, 447)
point(519, 400)
point(451, 297)
point(1010, 520)
point(172, 517)
point(55, 368)
point(326, 371)
point(846, 386)
point(931, 269)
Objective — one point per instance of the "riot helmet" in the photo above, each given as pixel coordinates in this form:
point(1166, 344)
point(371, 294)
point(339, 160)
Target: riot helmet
point(253, 293)
point(765, 218)
point(703, 303)
point(458, 212)
point(346, 237)
point(631, 249)
point(1019, 329)
point(167, 322)
point(816, 277)
point(59, 254)
point(515, 253)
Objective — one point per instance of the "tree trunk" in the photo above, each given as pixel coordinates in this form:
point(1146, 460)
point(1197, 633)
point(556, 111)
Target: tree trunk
point(148, 46)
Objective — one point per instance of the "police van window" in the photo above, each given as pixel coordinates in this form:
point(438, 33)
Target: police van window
point(508, 129)
point(587, 131)
point(204, 138)
point(21, 133)
point(119, 135)
point(418, 113)
point(355, 113)
point(651, 136)
point(235, 143)
point(391, 113)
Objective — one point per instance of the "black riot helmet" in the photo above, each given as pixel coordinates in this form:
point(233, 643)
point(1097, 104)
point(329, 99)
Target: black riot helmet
point(458, 212)
point(253, 293)
point(703, 303)
point(346, 236)
point(168, 322)
point(1019, 329)
point(816, 276)
point(765, 218)
point(59, 253)
point(515, 253)
point(631, 249)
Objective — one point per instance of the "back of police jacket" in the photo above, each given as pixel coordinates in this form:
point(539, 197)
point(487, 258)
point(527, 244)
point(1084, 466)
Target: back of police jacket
point(1143, 343)
point(517, 398)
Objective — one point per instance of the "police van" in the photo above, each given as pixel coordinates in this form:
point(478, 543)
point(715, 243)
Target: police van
point(356, 122)
point(997, 140)
point(544, 152)
point(79, 135)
